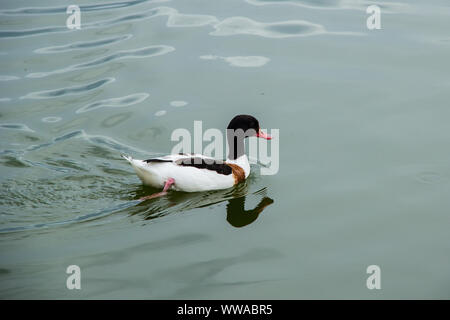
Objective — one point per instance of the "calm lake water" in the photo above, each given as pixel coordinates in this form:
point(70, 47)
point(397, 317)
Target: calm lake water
point(364, 174)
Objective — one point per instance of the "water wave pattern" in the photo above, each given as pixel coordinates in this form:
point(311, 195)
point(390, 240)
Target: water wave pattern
point(120, 102)
point(62, 28)
point(51, 193)
point(95, 174)
point(47, 94)
point(83, 8)
point(174, 20)
point(78, 219)
point(240, 61)
point(51, 119)
point(178, 103)
point(387, 7)
point(228, 26)
point(83, 45)
point(31, 32)
point(15, 126)
point(160, 113)
point(8, 78)
point(242, 25)
point(146, 52)
point(99, 140)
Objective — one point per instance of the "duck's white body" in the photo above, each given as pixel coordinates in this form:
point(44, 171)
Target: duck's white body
point(188, 178)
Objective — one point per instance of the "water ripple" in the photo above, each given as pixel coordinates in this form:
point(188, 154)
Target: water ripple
point(83, 45)
point(109, 142)
point(174, 19)
point(115, 102)
point(302, 3)
point(83, 218)
point(67, 91)
point(178, 103)
point(83, 8)
point(284, 29)
point(51, 119)
point(228, 26)
point(99, 140)
point(388, 7)
point(31, 32)
point(8, 78)
point(240, 61)
point(145, 52)
point(15, 126)
point(104, 23)
point(160, 113)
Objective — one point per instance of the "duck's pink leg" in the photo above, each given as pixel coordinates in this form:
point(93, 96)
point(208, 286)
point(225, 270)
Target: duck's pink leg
point(167, 185)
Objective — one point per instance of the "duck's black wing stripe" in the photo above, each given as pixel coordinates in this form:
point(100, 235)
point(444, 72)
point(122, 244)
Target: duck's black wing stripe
point(164, 160)
point(208, 164)
point(157, 160)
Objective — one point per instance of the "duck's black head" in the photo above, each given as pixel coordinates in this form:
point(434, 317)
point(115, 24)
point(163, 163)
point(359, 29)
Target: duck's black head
point(239, 128)
point(249, 125)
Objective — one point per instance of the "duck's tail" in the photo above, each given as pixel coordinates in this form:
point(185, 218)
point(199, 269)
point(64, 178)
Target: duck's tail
point(144, 171)
point(128, 158)
point(138, 165)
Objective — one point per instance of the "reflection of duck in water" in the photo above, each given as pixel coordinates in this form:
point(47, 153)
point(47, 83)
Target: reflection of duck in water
point(238, 217)
point(194, 172)
point(175, 202)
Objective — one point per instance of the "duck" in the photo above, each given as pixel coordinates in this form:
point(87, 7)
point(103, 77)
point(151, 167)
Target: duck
point(190, 172)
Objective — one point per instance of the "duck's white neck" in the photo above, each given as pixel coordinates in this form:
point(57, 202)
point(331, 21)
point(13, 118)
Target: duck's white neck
point(242, 162)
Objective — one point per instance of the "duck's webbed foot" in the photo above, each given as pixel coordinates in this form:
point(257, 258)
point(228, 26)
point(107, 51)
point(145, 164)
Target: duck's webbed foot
point(167, 185)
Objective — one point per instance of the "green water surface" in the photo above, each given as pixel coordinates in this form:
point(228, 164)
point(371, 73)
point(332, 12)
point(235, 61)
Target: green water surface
point(364, 158)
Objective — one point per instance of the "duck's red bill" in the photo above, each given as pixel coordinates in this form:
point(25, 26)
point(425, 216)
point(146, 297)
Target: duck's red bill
point(263, 135)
